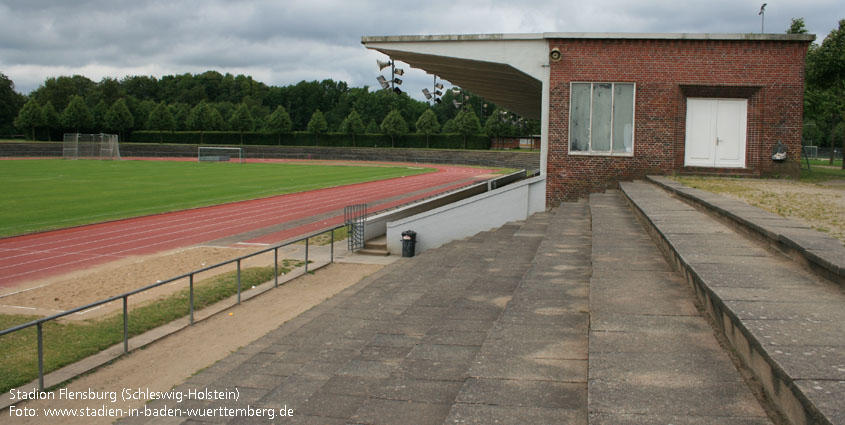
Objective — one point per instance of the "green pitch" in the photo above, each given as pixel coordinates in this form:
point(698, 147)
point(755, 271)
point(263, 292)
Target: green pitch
point(50, 194)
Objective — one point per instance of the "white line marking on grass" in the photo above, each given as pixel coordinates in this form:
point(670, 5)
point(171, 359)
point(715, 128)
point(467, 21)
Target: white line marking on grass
point(252, 243)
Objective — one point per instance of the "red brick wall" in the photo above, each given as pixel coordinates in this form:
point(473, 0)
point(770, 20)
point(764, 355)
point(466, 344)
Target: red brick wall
point(770, 74)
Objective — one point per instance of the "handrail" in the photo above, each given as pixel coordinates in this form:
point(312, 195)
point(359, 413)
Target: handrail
point(190, 275)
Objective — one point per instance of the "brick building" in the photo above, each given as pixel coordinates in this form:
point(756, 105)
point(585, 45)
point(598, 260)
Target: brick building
point(619, 106)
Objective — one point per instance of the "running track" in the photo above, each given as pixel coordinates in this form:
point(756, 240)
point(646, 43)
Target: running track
point(36, 256)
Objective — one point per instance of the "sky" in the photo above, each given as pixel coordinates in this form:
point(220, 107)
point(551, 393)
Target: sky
point(281, 42)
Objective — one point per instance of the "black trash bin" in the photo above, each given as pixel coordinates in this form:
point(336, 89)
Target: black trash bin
point(409, 243)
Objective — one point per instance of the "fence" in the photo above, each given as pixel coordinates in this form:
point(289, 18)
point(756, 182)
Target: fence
point(190, 276)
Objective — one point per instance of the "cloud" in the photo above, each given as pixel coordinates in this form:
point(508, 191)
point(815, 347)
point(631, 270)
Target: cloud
point(283, 42)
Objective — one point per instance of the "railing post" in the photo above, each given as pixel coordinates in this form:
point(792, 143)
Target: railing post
point(332, 247)
point(276, 265)
point(125, 325)
point(40, 357)
point(306, 255)
point(239, 281)
point(191, 296)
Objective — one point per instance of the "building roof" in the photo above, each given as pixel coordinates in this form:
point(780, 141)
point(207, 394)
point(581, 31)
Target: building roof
point(509, 69)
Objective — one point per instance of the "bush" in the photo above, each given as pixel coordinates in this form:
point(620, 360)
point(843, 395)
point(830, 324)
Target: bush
point(303, 138)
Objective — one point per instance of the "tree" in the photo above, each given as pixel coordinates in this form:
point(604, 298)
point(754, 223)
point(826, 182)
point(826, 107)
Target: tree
point(119, 118)
point(242, 120)
point(217, 121)
point(427, 124)
point(825, 88)
point(797, 26)
point(29, 117)
point(353, 125)
point(50, 119)
point(76, 115)
point(495, 127)
point(99, 113)
point(372, 128)
point(394, 125)
point(11, 103)
point(279, 122)
point(200, 119)
point(466, 123)
point(317, 124)
point(161, 119)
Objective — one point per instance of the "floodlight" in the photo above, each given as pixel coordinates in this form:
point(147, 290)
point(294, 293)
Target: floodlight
point(399, 71)
point(437, 100)
point(438, 93)
point(427, 94)
point(383, 64)
point(383, 82)
point(456, 103)
point(397, 81)
point(456, 91)
point(397, 90)
point(763, 9)
point(438, 86)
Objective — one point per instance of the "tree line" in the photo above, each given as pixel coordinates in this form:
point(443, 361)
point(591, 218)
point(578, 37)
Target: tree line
point(212, 101)
point(824, 93)
point(216, 102)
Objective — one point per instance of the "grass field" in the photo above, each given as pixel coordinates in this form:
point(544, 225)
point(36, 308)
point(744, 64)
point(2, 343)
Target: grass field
point(48, 194)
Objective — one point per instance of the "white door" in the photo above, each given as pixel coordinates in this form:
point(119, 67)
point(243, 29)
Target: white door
point(715, 133)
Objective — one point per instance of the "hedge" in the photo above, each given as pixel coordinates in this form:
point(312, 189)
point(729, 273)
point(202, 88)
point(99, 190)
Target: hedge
point(301, 138)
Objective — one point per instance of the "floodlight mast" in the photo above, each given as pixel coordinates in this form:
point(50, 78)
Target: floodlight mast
point(763, 18)
point(393, 73)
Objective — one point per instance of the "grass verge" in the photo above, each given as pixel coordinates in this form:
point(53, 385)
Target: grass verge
point(65, 343)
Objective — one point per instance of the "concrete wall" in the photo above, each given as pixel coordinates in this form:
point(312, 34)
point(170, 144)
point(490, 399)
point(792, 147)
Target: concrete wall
point(377, 224)
point(465, 218)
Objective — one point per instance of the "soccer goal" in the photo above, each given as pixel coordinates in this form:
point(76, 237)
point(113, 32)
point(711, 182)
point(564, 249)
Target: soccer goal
point(219, 154)
point(90, 146)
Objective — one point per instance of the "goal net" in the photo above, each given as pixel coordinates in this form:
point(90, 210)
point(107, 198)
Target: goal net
point(90, 146)
point(219, 154)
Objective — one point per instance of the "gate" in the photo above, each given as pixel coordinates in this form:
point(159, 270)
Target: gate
point(354, 217)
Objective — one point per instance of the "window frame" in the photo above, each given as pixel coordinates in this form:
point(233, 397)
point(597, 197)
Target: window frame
point(589, 151)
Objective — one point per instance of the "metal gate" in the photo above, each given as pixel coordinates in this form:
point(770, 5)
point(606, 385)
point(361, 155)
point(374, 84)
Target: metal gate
point(354, 217)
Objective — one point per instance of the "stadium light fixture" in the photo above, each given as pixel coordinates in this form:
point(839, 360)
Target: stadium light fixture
point(394, 71)
point(383, 82)
point(763, 18)
point(427, 94)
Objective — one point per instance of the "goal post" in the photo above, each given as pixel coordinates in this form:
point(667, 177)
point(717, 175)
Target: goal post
point(90, 146)
point(219, 154)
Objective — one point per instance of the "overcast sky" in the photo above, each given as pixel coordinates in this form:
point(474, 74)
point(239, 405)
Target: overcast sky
point(282, 42)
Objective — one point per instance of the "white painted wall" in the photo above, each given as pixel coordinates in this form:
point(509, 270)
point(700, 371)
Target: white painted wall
point(465, 218)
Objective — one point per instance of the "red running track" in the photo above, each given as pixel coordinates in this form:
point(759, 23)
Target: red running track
point(40, 255)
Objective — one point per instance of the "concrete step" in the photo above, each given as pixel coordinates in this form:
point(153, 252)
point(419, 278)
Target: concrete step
point(783, 321)
point(376, 246)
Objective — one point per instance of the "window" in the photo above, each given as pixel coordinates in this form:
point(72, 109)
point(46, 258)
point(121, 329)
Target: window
point(601, 119)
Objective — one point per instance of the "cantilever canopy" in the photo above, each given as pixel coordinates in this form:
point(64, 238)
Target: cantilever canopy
point(504, 69)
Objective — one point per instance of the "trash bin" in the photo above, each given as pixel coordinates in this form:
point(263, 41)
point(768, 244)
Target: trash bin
point(409, 243)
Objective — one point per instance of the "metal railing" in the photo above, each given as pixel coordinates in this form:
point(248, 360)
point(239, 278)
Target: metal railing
point(39, 324)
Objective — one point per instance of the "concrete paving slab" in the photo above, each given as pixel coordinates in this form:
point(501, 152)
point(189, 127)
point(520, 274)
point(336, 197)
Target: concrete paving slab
point(674, 398)
point(524, 393)
point(484, 414)
point(827, 397)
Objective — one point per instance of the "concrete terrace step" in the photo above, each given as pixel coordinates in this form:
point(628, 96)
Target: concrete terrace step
point(653, 359)
point(825, 254)
point(425, 341)
point(783, 321)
